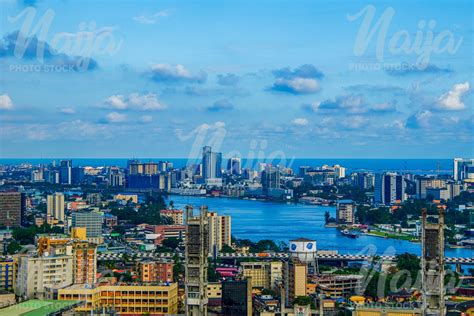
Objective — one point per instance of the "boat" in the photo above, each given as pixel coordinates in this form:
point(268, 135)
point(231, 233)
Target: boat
point(349, 234)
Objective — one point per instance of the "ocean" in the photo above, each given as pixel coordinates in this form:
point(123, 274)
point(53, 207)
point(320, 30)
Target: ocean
point(376, 165)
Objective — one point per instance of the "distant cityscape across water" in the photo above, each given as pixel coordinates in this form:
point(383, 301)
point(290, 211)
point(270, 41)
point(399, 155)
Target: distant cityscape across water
point(370, 164)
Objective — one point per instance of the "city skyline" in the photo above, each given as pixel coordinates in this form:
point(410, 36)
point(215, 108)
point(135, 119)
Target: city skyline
point(170, 77)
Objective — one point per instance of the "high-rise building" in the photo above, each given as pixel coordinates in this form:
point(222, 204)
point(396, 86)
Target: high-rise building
point(220, 230)
point(84, 263)
point(234, 166)
point(463, 169)
point(12, 208)
point(92, 221)
point(211, 163)
point(237, 298)
point(423, 183)
point(363, 180)
point(196, 255)
point(339, 172)
point(65, 172)
point(55, 206)
point(345, 211)
point(389, 188)
point(270, 178)
point(295, 279)
point(432, 264)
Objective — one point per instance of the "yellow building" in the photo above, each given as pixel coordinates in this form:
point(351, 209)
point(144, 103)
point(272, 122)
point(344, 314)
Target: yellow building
point(264, 274)
point(7, 275)
point(296, 280)
point(125, 299)
point(79, 233)
point(385, 311)
point(126, 197)
point(214, 290)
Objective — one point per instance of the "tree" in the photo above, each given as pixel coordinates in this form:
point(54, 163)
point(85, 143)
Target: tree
point(171, 242)
point(227, 249)
point(13, 247)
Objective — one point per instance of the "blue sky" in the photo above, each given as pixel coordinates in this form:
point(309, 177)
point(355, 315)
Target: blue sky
point(292, 78)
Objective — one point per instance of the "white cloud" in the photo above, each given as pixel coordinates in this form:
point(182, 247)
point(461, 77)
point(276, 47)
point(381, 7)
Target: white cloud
point(67, 110)
point(116, 101)
point(452, 100)
point(300, 121)
point(145, 102)
point(115, 117)
point(6, 102)
point(152, 19)
point(296, 85)
point(165, 72)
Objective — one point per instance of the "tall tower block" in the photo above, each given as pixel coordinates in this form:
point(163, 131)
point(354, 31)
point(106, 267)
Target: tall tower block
point(197, 250)
point(432, 264)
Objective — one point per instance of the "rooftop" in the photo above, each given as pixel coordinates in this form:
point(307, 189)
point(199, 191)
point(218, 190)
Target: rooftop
point(37, 308)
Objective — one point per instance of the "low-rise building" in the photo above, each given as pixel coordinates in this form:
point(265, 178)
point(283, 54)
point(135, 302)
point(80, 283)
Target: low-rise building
point(124, 299)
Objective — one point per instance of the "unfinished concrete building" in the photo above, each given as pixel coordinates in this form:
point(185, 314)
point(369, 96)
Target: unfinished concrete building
point(432, 264)
point(197, 250)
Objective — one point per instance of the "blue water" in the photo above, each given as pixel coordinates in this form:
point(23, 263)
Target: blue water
point(410, 165)
point(256, 220)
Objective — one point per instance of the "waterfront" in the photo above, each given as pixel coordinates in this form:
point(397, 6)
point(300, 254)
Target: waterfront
point(256, 220)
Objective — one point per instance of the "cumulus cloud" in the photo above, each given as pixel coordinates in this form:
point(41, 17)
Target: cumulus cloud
point(153, 18)
point(353, 103)
point(177, 73)
point(6, 102)
point(301, 80)
point(452, 100)
point(408, 69)
point(220, 105)
point(145, 102)
point(228, 79)
point(421, 119)
point(18, 45)
point(300, 121)
point(115, 117)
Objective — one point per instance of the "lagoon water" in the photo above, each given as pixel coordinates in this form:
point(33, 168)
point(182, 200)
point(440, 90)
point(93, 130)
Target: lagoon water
point(256, 220)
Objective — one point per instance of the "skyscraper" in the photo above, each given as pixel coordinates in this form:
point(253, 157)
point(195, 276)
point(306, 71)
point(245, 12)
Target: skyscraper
point(219, 231)
point(196, 254)
point(55, 204)
point(270, 178)
point(211, 163)
point(463, 169)
point(432, 265)
point(12, 208)
point(65, 172)
point(234, 166)
point(389, 188)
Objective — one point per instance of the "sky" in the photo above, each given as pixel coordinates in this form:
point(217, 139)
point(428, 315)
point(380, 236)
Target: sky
point(306, 79)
